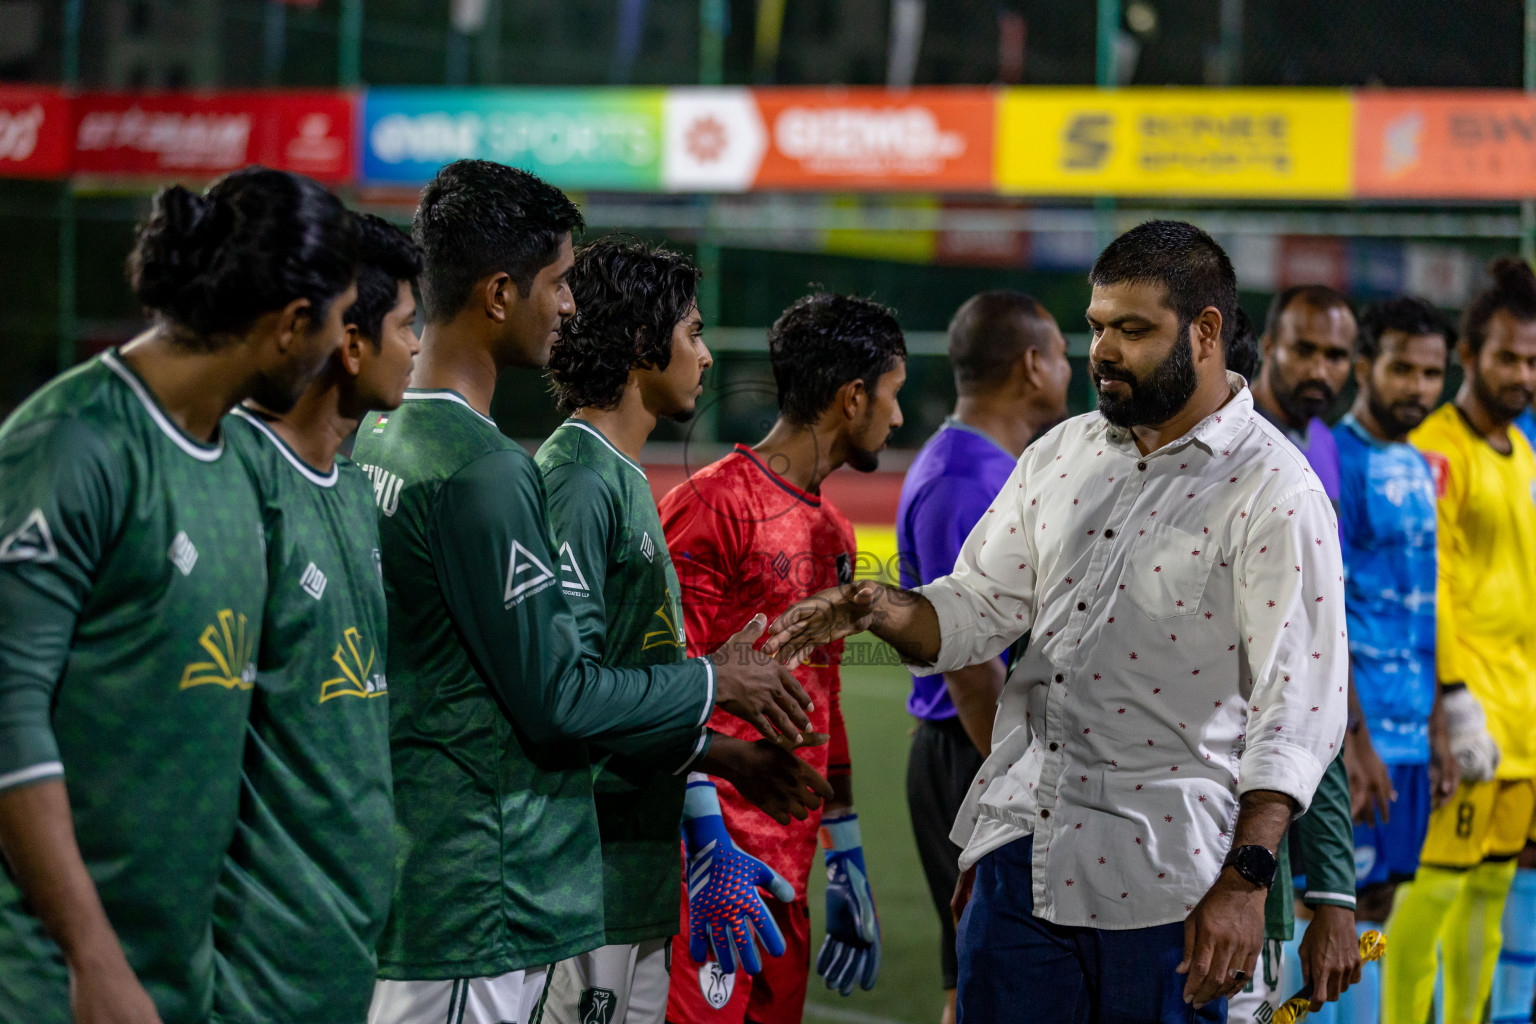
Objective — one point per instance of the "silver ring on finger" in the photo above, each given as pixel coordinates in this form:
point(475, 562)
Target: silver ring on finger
point(1238, 975)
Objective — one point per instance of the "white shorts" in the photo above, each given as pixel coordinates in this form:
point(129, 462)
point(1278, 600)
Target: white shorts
point(511, 998)
point(624, 984)
point(1257, 1003)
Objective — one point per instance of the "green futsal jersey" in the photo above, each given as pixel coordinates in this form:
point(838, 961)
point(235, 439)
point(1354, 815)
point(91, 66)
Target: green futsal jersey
point(1325, 836)
point(308, 879)
point(131, 584)
point(499, 866)
point(619, 580)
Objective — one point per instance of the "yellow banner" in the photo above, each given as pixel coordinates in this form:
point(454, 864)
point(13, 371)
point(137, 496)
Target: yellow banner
point(1239, 143)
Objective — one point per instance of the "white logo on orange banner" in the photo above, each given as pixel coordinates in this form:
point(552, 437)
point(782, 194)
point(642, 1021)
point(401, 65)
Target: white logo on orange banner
point(714, 140)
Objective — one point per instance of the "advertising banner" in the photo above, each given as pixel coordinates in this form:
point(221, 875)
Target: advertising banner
point(734, 140)
point(34, 132)
point(1230, 143)
point(193, 135)
point(1445, 145)
point(575, 138)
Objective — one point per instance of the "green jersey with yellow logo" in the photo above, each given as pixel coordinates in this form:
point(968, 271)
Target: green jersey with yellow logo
point(618, 577)
point(308, 878)
point(131, 585)
point(491, 698)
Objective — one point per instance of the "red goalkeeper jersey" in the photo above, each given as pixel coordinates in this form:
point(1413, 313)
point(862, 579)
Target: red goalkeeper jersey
point(745, 540)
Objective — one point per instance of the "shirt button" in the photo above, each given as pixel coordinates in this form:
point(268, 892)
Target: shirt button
point(1082, 606)
point(1053, 746)
point(1059, 677)
point(1141, 465)
point(1108, 534)
point(1045, 814)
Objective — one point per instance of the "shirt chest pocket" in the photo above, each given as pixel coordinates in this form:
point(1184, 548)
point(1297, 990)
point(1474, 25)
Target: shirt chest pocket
point(1166, 571)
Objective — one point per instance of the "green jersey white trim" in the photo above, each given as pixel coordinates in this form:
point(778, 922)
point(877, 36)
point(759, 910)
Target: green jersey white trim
point(449, 396)
point(47, 769)
point(197, 449)
point(589, 428)
point(309, 473)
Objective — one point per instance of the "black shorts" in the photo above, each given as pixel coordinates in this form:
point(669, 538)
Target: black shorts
point(940, 767)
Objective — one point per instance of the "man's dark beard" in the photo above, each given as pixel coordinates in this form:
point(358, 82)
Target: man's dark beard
point(281, 391)
point(1157, 396)
point(1398, 418)
point(864, 460)
point(1300, 408)
point(1496, 405)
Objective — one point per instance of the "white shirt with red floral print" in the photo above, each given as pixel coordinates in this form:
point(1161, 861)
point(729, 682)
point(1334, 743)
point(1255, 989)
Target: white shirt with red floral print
point(1187, 644)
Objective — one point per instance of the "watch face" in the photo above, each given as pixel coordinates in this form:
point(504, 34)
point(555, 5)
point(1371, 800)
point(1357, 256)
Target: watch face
point(1256, 864)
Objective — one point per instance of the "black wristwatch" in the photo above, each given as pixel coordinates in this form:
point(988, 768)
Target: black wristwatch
point(1255, 863)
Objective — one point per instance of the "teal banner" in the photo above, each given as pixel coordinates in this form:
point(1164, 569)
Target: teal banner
point(574, 138)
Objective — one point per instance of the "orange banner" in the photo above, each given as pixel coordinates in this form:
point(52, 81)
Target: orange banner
point(925, 139)
point(1445, 145)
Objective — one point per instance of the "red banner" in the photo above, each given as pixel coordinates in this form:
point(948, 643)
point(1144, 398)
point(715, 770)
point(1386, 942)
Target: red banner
point(181, 135)
point(34, 132)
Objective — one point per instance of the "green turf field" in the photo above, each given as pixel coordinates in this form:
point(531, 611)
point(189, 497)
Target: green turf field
point(908, 990)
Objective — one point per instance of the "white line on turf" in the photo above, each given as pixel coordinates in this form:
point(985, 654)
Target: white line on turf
point(842, 1016)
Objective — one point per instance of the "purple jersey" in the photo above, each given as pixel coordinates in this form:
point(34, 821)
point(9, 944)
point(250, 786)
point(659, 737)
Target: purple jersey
point(1322, 453)
point(947, 490)
point(1317, 444)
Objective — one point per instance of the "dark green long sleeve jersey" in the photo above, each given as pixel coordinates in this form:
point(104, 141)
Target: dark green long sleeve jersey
point(491, 700)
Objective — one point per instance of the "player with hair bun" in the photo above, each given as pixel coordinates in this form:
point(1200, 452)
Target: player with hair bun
point(1485, 480)
point(131, 575)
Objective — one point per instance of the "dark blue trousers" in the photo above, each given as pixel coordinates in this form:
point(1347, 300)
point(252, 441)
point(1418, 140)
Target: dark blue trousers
point(1016, 967)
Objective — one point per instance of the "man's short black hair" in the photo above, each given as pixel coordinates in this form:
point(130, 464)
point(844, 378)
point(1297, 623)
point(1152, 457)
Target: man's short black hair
point(477, 218)
point(1513, 289)
point(1406, 313)
point(1317, 296)
point(1183, 259)
point(822, 342)
point(629, 297)
point(988, 334)
point(1243, 346)
point(385, 257)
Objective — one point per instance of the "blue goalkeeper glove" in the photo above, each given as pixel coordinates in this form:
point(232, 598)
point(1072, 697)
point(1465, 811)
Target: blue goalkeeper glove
point(851, 950)
point(724, 908)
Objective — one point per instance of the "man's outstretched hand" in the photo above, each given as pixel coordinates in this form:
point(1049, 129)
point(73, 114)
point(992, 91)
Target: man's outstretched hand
point(758, 690)
point(777, 782)
point(830, 615)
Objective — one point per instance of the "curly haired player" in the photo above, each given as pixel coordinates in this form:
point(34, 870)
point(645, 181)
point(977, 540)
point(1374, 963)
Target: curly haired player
point(632, 355)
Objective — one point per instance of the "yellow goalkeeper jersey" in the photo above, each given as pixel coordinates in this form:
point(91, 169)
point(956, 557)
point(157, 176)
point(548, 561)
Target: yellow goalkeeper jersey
point(1486, 598)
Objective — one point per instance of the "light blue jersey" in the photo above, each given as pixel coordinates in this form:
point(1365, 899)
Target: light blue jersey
point(1526, 423)
point(1387, 531)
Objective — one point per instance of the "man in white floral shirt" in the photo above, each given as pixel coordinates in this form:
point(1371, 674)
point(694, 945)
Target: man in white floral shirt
point(1176, 564)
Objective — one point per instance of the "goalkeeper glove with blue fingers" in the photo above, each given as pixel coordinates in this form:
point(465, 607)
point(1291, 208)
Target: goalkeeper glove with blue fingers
point(851, 950)
point(724, 908)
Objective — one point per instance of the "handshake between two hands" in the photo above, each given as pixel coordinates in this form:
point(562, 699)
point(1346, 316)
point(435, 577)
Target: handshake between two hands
point(757, 685)
point(727, 916)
